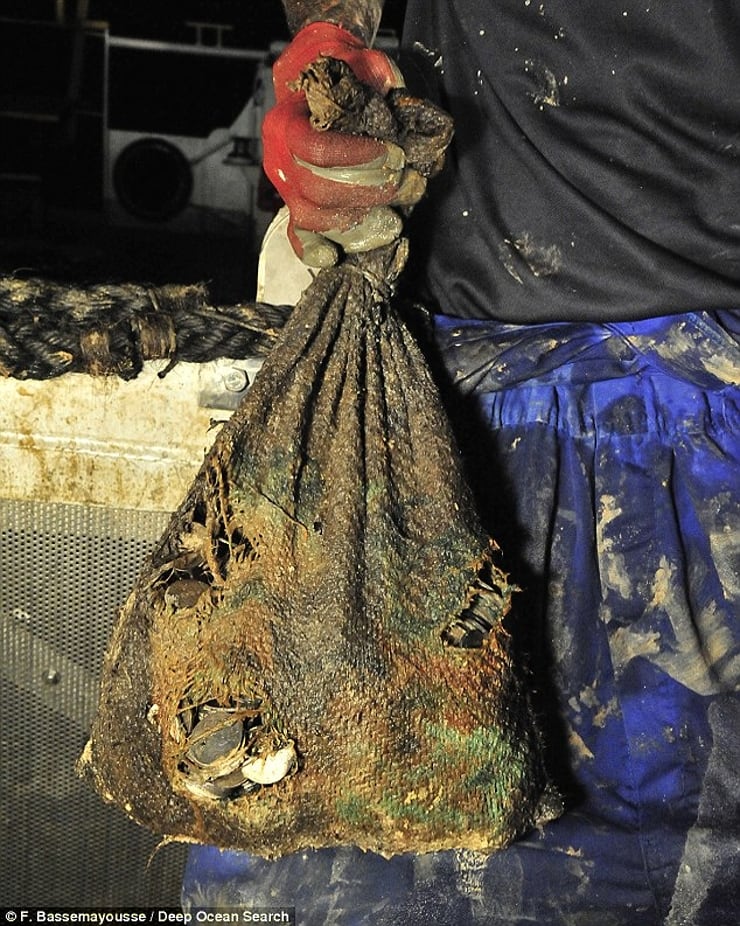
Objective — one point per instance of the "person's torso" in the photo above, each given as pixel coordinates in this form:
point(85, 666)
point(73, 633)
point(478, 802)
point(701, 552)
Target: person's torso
point(595, 171)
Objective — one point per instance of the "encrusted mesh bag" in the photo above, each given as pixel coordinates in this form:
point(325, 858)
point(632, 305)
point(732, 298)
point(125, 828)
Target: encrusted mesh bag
point(315, 654)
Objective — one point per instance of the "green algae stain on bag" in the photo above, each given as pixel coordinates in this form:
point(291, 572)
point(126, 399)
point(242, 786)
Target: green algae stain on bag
point(315, 654)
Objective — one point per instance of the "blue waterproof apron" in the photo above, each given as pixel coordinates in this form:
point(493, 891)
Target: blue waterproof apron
point(606, 461)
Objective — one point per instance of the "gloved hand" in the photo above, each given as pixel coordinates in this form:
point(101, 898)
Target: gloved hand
point(339, 188)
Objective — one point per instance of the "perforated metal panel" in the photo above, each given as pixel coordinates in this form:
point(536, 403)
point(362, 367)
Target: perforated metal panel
point(64, 571)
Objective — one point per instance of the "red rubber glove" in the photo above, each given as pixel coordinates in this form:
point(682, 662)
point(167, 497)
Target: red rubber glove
point(338, 187)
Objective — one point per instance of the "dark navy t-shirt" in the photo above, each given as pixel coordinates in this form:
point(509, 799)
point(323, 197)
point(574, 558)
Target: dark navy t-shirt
point(595, 171)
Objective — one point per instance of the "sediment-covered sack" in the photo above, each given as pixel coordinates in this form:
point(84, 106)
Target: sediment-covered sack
point(315, 653)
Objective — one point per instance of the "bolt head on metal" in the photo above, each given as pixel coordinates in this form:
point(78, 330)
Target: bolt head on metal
point(235, 380)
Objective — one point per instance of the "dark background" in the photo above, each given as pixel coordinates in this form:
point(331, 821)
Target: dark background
point(52, 100)
point(253, 20)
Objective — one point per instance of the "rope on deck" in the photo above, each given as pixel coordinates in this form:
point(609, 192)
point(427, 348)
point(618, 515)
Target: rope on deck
point(49, 328)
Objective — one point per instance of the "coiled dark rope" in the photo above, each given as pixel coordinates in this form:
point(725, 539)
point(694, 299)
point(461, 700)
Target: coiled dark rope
point(49, 328)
